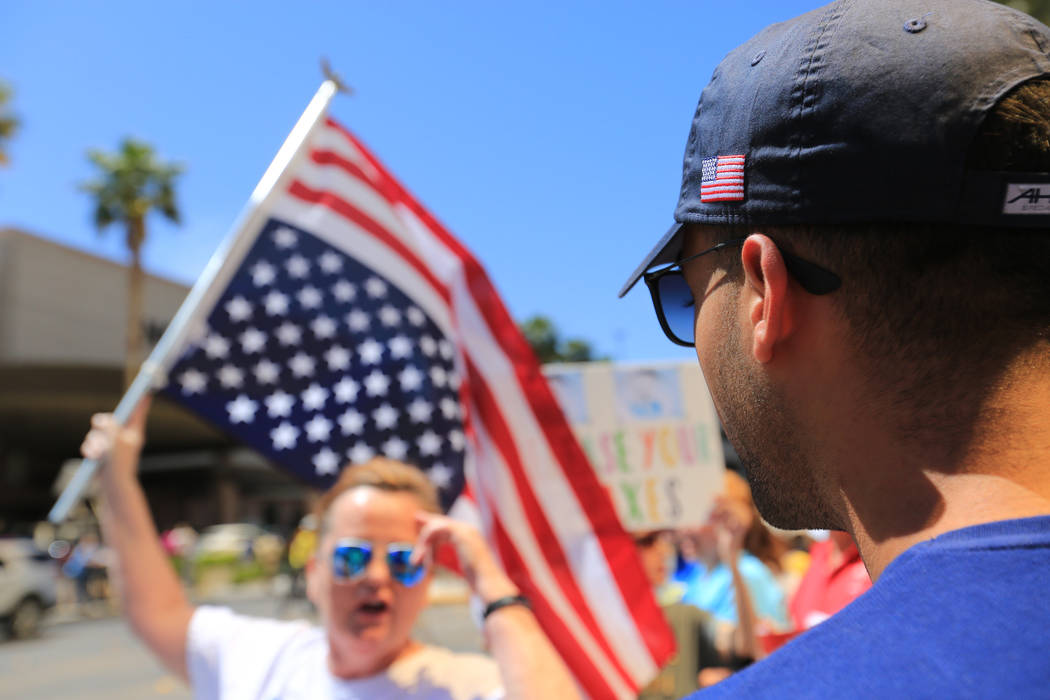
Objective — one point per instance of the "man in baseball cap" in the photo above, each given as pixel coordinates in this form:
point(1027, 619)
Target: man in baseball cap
point(861, 257)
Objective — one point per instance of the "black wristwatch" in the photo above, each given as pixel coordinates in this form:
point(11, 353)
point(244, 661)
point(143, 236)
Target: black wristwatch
point(505, 602)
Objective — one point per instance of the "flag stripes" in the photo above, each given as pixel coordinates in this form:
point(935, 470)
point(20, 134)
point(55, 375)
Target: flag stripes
point(559, 437)
point(554, 526)
point(588, 489)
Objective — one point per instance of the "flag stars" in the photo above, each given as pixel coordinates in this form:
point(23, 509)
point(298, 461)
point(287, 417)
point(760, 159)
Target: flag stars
point(358, 321)
point(285, 238)
point(337, 357)
point(440, 475)
point(252, 341)
point(326, 462)
point(346, 390)
point(351, 422)
point(377, 383)
point(263, 273)
point(370, 352)
point(279, 404)
point(428, 345)
point(395, 448)
point(239, 309)
point(266, 372)
point(449, 408)
point(410, 378)
point(289, 334)
point(318, 428)
point(193, 382)
point(429, 444)
point(344, 291)
point(216, 347)
point(415, 316)
point(385, 417)
point(314, 397)
point(231, 377)
point(375, 287)
point(420, 410)
point(285, 326)
point(275, 303)
point(389, 316)
point(302, 365)
point(360, 453)
point(310, 297)
point(284, 436)
point(330, 262)
point(323, 327)
point(242, 409)
point(400, 347)
point(298, 267)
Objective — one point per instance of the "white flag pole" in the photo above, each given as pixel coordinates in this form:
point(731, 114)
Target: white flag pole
point(211, 283)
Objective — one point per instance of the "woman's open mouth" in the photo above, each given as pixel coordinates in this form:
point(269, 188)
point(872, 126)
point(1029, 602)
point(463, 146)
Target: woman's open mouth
point(373, 608)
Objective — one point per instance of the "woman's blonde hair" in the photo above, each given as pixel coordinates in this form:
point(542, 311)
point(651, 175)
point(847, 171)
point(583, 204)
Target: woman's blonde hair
point(383, 474)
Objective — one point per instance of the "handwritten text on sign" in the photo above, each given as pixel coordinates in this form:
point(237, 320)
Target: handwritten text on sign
point(651, 434)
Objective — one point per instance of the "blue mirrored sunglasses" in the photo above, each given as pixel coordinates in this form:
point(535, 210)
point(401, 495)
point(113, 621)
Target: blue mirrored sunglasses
point(350, 558)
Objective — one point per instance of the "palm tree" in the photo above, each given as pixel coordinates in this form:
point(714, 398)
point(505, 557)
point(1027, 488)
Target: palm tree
point(8, 122)
point(131, 183)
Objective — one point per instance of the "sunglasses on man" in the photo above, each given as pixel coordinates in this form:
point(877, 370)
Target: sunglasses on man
point(351, 556)
point(674, 303)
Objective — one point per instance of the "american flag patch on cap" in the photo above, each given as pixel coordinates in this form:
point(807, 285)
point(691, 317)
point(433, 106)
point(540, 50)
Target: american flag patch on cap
point(722, 179)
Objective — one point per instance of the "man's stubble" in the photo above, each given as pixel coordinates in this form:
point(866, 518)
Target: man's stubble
point(765, 433)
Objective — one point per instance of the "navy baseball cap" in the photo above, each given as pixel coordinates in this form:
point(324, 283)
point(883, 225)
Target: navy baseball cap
point(861, 111)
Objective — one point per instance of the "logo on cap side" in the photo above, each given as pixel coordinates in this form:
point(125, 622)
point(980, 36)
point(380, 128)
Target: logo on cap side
point(1027, 198)
point(722, 179)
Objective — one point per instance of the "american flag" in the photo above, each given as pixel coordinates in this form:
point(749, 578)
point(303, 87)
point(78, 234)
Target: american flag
point(317, 360)
point(353, 324)
point(722, 179)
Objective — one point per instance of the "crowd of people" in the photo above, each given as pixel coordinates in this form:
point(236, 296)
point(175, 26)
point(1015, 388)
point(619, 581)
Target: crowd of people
point(364, 560)
point(861, 259)
point(728, 591)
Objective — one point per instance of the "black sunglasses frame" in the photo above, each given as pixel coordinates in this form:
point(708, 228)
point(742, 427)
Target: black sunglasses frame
point(811, 277)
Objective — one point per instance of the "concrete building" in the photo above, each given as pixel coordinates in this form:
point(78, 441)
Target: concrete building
point(62, 334)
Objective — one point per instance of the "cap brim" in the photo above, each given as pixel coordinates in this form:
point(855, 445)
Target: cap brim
point(666, 251)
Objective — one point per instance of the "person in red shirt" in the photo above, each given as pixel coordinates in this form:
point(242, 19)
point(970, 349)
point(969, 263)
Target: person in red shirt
point(836, 576)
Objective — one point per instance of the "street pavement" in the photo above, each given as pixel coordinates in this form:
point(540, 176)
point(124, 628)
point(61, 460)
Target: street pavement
point(99, 659)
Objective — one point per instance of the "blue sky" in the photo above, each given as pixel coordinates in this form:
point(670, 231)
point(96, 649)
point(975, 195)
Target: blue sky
point(547, 136)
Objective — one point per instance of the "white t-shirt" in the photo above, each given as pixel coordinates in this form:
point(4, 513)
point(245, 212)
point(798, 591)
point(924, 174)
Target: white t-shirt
point(234, 657)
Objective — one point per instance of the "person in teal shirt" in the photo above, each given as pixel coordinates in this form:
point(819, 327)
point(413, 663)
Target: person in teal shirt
point(711, 589)
point(705, 568)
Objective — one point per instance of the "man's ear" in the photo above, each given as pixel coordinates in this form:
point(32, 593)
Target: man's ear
point(769, 302)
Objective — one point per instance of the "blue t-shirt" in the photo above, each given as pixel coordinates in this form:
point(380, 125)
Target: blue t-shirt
point(712, 589)
point(964, 615)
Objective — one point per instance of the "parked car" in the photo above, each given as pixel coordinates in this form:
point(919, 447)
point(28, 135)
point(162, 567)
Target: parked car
point(253, 551)
point(239, 539)
point(27, 586)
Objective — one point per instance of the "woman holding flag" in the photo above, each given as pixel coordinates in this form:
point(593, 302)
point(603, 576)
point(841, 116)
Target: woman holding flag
point(379, 528)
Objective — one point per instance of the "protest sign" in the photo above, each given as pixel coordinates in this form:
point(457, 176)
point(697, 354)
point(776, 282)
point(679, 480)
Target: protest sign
point(652, 436)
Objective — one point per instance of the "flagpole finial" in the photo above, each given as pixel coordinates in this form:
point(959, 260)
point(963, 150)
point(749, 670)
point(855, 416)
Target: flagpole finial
point(330, 74)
